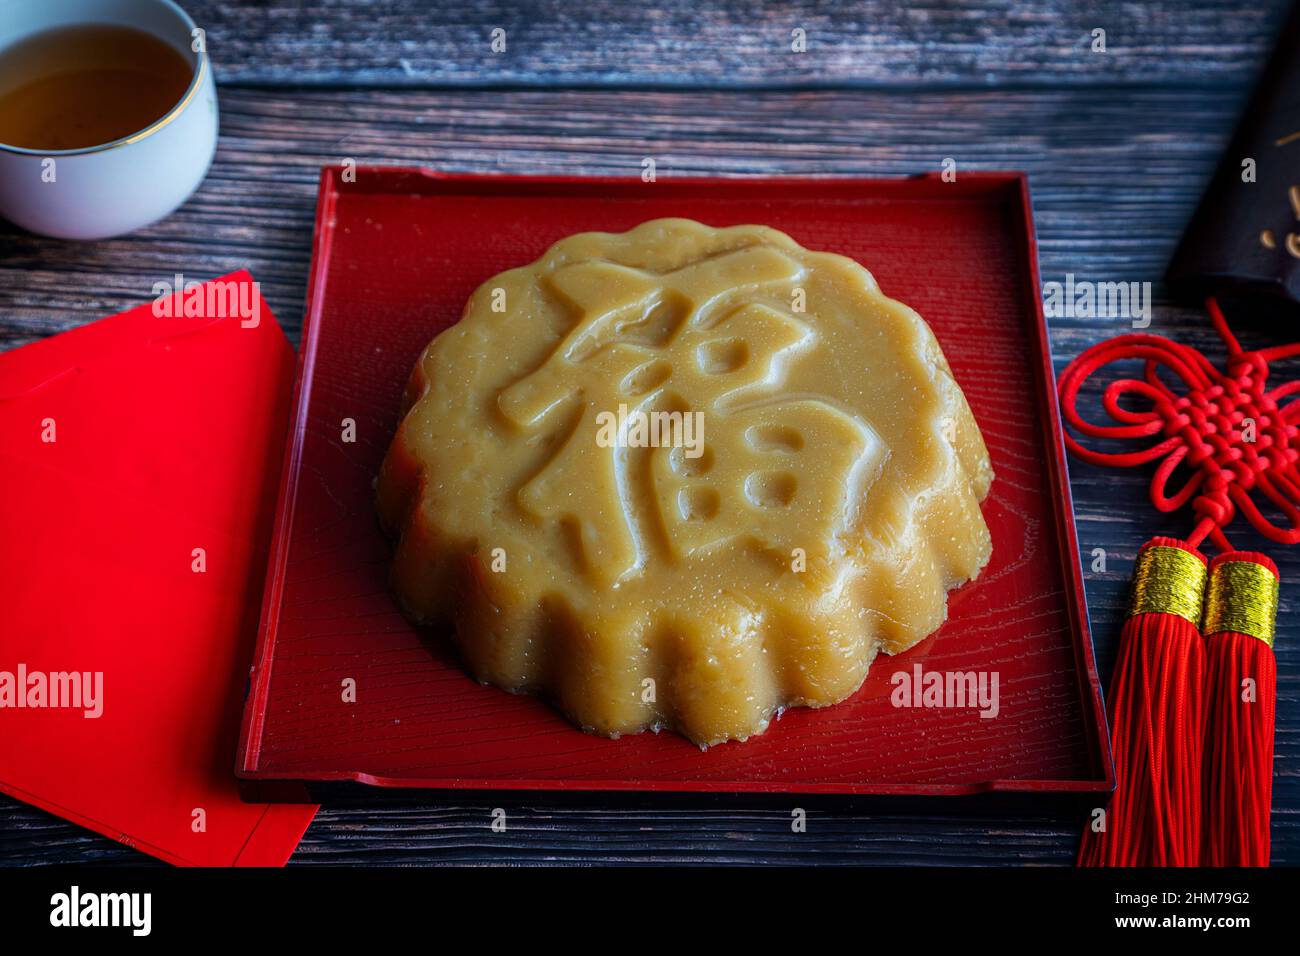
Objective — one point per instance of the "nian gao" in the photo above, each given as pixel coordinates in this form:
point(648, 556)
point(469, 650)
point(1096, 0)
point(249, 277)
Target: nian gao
point(684, 477)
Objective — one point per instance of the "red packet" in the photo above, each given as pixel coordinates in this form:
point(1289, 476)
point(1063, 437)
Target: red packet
point(139, 458)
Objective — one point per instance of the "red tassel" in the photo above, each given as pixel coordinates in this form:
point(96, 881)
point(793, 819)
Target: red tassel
point(1157, 718)
point(1242, 699)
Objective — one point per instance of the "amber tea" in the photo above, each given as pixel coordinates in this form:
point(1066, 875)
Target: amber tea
point(82, 86)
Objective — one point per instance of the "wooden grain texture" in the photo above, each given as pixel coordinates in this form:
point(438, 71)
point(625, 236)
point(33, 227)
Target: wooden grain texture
point(1116, 171)
point(736, 43)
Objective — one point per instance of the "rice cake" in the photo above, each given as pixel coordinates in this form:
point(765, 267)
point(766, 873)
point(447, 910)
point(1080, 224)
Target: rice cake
point(683, 477)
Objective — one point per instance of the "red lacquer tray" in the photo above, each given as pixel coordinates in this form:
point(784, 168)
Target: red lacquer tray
point(398, 251)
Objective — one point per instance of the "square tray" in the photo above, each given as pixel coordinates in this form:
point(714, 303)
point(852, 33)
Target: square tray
point(398, 251)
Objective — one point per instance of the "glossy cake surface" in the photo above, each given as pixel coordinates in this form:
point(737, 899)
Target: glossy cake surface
point(683, 477)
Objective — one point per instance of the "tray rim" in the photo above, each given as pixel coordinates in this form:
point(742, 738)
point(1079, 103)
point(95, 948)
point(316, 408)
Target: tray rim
point(258, 783)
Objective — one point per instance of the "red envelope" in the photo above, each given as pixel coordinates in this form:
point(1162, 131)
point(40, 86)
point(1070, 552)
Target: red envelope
point(139, 459)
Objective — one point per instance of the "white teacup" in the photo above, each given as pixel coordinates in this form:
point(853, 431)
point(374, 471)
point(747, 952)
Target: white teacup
point(116, 187)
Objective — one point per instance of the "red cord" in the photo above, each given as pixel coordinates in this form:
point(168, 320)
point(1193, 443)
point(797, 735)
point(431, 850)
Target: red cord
point(1202, 427)
point(1241, 693)
point(1157, 726)
point(1193, 759)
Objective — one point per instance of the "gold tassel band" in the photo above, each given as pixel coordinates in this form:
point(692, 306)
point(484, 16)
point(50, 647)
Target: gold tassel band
point(1168, 581)
point(1242, 597)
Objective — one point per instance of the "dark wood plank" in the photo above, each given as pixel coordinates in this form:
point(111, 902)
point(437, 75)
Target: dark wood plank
point(744, 43)
point(413, 830)
point(1115, 174)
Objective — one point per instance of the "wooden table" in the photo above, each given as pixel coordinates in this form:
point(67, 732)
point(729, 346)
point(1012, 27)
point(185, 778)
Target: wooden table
point(1119, 146)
